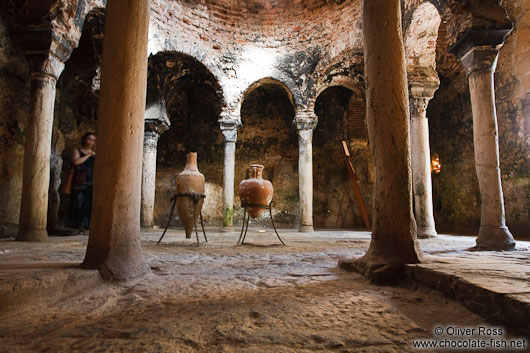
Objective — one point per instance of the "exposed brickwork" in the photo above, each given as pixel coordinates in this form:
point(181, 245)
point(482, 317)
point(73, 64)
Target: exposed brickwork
point(221, 33)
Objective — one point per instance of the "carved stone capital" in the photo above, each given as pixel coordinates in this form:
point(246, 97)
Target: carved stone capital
point(49, 67)
point(156, 119)
point(418, 107)
point(423, 83)
point(151, 139)
point(305, 120)
point(45, 51)
point(229, 129)
point(478, 50)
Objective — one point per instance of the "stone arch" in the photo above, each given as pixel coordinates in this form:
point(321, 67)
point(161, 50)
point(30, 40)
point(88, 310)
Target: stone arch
point(421, 37)
point(193, 100)
point(270, 81)
point(354, 85)
point(346, 69)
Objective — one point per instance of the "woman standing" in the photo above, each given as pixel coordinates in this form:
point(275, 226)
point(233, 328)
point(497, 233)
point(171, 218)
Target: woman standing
point(81, 200)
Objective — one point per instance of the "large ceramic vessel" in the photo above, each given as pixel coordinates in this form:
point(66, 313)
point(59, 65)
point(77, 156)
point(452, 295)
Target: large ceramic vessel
point(189, 181)
point(255, 191)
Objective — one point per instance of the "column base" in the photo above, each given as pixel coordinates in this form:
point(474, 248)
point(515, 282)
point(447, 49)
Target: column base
point(7, 232)
point(147, 229)
point(494, 238)
point(426, 232)
point(36, 235)
point(306, 229)
point(227, 229)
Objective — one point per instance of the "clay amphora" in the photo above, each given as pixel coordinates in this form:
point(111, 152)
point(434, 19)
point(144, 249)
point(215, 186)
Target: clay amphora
point(189, 181)
point(256, 191)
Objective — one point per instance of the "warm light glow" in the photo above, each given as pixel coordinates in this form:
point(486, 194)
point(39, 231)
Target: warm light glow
point(436, 166)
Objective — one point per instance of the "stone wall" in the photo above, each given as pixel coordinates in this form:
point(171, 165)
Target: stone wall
point(341, 117)
point(269, 137)
point(456, 194)
point(14, 108)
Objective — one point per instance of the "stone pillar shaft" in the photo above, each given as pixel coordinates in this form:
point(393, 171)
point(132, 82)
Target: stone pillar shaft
point(114, 243)
point(148, 179)
point(305, 176)
point(230, 137)
point(394, 229)
point(493, 232)
point(38, 139)
point(478, 51)
point(421, 168)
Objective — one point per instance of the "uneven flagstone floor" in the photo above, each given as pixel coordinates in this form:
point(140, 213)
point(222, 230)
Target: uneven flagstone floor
point(261, 297)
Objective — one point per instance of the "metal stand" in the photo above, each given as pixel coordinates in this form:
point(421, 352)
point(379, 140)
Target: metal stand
point(246, 218)
point(195, 198)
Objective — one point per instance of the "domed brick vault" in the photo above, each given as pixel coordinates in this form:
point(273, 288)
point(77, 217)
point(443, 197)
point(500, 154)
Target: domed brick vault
point(246, 77)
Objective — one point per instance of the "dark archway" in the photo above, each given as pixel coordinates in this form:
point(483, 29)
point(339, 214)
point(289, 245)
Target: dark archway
point(193, 101)
point(341, 117)
point(76, 109)
point(268, 137)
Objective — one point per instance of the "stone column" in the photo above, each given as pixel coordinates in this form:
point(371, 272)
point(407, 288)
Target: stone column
point(156, 123)
point(148, 179)
point(38, 139)
point(420, 95)
point(478, 52)
point(305, 127)
point(229, 130)
point(394, 240)
point(114, 243)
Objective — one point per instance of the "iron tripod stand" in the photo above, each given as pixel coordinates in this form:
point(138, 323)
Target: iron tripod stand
point(247, 217)
point(195, 197)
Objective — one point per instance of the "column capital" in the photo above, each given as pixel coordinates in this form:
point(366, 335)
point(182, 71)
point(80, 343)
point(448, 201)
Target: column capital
point(157, 127)
point(419, 104)
point(156, 119)
point(478, 50)
point(423, 82)
point(42, 67)
point(305, 120)
point(45, 50)
point(229, 129)
point(151, 139)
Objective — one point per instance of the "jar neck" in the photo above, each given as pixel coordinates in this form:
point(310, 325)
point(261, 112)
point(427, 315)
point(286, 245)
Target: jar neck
point(257, 172)
point(191, 161)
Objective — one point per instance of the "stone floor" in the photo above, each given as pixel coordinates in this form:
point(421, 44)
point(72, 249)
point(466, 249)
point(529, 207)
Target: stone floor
point(260, 297)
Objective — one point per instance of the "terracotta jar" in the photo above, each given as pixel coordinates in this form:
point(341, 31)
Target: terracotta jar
point(189, 181)
point(255, 191)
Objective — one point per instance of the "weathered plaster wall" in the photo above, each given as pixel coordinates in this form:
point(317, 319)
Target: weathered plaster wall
point(512, 82)
point(456, 195)
point(14, 108)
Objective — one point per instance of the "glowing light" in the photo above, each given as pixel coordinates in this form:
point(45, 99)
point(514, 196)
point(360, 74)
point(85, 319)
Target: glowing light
point(436, 166)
